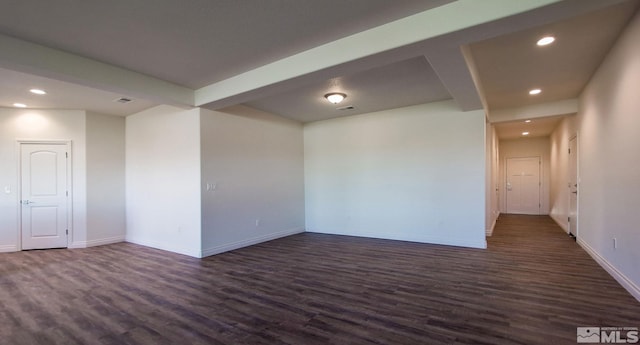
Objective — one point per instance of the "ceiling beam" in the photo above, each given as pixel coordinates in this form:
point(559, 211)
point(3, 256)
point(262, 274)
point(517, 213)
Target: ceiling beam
point(27, 57)
point(563, 107)
point(451, 67)
point(435, 22)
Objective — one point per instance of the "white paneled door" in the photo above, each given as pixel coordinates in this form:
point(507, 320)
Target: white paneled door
point(523, 185)
point(44, 195)
point(573, 187)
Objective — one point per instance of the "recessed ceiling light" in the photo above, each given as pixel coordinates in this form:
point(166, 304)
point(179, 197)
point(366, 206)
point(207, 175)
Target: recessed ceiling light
point(535, 91)
point(546, 40)
point(527, 121)
point(38, 91)
point(19, 105)
point(525, 133)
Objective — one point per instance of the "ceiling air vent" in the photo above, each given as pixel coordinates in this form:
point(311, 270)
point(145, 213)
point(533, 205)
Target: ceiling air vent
point(123, 100)
point(348, 107)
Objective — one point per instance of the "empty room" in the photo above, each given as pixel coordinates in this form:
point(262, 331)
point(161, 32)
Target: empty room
point(319, 172)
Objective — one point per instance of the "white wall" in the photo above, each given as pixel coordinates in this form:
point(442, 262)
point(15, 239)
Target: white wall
point(29, 124)
point(414, 173)
point(608, 164)
point(163, 179)
point(559, 169)
point(526, 147)
point(255, 161)
point(105, 179)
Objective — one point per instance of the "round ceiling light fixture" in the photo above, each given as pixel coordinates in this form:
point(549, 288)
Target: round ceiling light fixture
point(546, 40)
point(19, 105)
point(335, 97)
point(535, 92)
point(38, 91)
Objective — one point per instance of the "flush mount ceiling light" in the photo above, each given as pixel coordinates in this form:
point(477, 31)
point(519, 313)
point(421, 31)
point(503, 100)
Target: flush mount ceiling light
point(546, 40)
point(19, 105)
point(535, 91)
point(335, 97)
point(525, 133)
point(38, 91)
point(527, 121)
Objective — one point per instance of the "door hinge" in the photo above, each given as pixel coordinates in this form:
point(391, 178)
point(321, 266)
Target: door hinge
point(67, 231)
point(67, 193)
point(569, 151)
point(569, 219)
point(66, 154)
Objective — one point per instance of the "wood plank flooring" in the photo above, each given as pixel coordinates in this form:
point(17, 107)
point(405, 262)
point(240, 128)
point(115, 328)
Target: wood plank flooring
point(533, 285)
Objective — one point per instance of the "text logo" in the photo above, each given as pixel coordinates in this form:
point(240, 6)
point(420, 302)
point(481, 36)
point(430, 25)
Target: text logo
point(608, 335)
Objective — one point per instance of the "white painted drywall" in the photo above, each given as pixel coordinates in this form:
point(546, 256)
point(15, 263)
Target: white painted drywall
point(559, 170)
point(163, 179)
point(105, 179)
point(31, 124)
point(526, 147)
point(414, 173)
point(608, 164)
point(254, 166)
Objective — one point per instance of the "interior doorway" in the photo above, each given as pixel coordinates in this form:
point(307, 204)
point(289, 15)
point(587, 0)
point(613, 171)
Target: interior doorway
point(44, 194)
point(573, 187)
point(523, 185)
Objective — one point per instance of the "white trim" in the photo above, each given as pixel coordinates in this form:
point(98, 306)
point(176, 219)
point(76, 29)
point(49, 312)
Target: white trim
point(8, 248)
point(249, 242)
point(489, 231)
point(445, 241)
point(558, 221)
point(98, 242)
point(162, 246)
point(626, 283)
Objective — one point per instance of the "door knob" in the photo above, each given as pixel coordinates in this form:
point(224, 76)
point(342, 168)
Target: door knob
point(27, 202)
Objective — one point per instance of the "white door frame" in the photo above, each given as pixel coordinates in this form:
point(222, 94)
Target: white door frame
point(19, 144)
point(569, 190)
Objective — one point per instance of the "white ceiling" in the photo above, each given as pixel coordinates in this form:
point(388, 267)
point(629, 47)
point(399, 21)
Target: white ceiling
point(15, 86)
point(399, 84)
point(281, 56)
point(512, 64)
point(540, 127)
point(195, 42)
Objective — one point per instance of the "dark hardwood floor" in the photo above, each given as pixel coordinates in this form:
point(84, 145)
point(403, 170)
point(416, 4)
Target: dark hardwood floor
point(534, 285)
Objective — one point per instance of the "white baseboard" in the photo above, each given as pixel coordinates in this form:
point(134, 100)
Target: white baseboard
point(249, 242)
point(445, 241)
point(8, 248)
point(629, 285)
point(98, 242)
point(489, 231)
point(560, 222)
point(162, 246)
